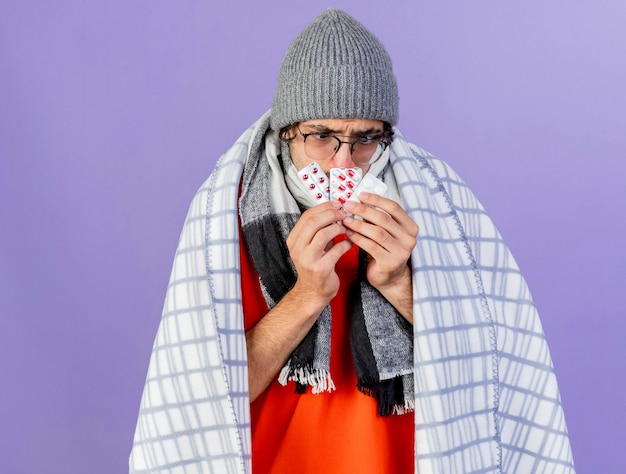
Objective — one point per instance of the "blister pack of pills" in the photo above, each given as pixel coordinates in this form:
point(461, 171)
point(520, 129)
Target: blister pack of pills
point(369, 184)
point(315, 181)
point(343, 183)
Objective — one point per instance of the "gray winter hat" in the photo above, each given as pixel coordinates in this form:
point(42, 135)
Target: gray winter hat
point(335, 68)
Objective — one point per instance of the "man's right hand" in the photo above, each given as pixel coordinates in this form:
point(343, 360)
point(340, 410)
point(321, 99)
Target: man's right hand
point(314, 253)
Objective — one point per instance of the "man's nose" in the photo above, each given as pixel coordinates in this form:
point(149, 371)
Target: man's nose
point(343, 157)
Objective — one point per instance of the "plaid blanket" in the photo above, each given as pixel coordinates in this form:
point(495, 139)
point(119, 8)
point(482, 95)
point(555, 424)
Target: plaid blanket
point(486, 396)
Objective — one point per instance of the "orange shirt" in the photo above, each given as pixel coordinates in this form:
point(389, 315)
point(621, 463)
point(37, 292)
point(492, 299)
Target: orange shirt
point(336, 432)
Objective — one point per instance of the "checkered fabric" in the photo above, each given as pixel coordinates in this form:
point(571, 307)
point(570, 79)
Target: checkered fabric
point(486, 397)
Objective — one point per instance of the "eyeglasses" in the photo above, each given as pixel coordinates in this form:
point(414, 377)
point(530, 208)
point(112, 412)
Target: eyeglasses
point(320, 146)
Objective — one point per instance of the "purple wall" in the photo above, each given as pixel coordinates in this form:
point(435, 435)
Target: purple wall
point(113, 113)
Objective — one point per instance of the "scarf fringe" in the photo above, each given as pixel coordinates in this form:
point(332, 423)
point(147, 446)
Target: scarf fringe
point(392, 396)
point(408, 407)
point(318, 379)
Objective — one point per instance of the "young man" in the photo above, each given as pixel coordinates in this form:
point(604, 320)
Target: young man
point(308, 333)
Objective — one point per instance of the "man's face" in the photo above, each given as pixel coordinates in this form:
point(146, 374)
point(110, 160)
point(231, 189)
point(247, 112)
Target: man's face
point(345, 129)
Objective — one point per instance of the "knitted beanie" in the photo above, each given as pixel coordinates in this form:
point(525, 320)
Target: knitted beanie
point(335, 68)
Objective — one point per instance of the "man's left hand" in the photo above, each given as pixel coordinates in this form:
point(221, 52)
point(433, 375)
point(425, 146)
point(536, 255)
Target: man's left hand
point(388, 235)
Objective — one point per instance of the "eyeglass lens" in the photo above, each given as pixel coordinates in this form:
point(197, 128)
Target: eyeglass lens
point(324, 147)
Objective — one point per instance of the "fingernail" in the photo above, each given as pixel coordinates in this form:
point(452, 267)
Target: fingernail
point(347, 219)
point(349, 205)
point(364, 195)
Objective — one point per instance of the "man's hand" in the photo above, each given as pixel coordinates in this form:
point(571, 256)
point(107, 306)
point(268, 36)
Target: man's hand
point(313, 252)
point(388, 235)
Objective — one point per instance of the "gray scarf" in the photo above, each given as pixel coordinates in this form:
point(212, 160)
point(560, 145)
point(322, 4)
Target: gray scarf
point(381, 340)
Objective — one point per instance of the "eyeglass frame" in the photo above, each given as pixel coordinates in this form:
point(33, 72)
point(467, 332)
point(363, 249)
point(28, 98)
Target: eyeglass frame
point(384, 141)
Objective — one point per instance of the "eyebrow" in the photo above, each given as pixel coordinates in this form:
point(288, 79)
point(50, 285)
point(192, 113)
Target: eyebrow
point(324, 129)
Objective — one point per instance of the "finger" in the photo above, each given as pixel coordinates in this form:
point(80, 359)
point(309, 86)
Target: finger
point(384, 212)
point(381, 233)
point(376, 225)
point(314, 219)
point(334, 251)
point(391, 207)
point(325, 237)
point(310, 243)
point(375, 240)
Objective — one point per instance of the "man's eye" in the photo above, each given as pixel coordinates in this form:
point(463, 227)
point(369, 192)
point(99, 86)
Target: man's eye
point(365, 140)
point(321, 136)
